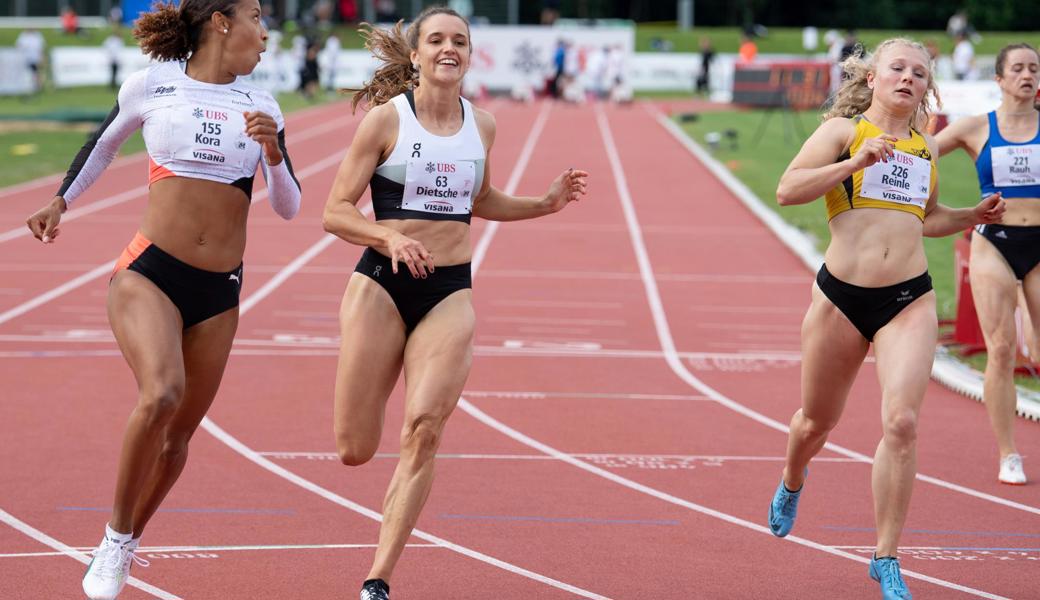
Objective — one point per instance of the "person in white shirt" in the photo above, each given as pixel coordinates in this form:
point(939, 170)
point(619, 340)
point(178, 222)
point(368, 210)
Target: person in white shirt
point(963, 58)
point(31, 44)
point(114, 47)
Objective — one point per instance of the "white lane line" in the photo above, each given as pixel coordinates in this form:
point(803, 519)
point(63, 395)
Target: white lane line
point(216, 431)
point(142, 191)
point(82, 557)
point(638, 487)
point(106, 268)
point(146, 550)
point(671, 356)
point(322, 456)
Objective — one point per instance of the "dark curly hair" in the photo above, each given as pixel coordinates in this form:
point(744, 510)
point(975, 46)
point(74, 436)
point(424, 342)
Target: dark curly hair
point(1003, 54)
point(171, 33)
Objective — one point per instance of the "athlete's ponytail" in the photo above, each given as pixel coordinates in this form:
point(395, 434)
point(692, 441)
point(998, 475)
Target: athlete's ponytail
point(394, 48)
point(854, 97)
point(171, 33)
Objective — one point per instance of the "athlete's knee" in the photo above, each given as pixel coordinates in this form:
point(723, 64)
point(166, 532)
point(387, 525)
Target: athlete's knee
point(175, 447)
point(354, 452)
point(421, 437)
point(1001, 353)
point(812, 427)
point(159, 401)
point(900, 427)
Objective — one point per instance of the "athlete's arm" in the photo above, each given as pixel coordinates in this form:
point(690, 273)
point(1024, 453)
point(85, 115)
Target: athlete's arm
point(283, 189)
point(957, 134)
point(941, 220)
point(495, 205)
point(96, 154)
point(813, 170)
point(373, 141)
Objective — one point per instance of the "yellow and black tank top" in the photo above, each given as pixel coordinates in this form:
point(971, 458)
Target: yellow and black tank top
point(903, 183)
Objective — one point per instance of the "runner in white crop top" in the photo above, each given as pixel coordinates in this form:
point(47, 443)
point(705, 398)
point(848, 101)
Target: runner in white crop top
point(173, 298)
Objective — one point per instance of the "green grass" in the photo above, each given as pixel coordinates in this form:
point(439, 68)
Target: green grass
point(788, 40)
point(26, 155)
point(759, 160)
point(978, 362)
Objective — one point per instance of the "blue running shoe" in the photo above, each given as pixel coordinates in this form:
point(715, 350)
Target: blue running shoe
point(885, 570)
point(783, 509)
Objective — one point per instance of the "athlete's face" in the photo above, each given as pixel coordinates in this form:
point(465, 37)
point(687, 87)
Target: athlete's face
point(1020, 74)
point(246, 37)
point(444, 51)
point(900, 77)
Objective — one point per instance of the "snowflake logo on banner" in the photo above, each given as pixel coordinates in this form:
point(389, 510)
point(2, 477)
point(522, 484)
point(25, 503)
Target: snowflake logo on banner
point(197, 113)
point(526, 58)
point(430, 167)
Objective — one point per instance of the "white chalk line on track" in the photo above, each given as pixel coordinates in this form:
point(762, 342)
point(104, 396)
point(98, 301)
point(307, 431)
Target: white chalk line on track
point(668, 346)
point(71, 552)
point(215, 430)
point(322, 456)
point(145, 551)
point(142, 191)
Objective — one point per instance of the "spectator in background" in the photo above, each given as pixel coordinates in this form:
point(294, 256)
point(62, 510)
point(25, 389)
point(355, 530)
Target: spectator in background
point(114, 47)
point(115, 15)
point(963, 57)
point(310, 75)
point(559, 57)
point(331, 51)
point(31, 45)
point(707, 55)
point(748, 50)
point(550, 11)
point(958, 23)
point(268, 18)
point(70, 21)
point(850, 46)
point(386, 11)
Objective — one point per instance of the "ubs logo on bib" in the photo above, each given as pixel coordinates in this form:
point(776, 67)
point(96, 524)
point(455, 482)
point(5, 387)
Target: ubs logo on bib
point(440, 167)
point(205, 113)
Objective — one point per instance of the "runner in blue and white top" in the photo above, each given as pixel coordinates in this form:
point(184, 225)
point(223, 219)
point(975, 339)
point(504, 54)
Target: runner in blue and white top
point(1005, 145)
point(423, 149)
point(173, 298)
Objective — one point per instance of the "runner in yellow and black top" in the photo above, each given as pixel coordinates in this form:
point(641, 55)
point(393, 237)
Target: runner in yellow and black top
point(878, 175)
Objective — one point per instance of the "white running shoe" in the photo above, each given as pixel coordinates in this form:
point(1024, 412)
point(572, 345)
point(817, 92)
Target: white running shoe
point(108, 571)
point(1011, 471)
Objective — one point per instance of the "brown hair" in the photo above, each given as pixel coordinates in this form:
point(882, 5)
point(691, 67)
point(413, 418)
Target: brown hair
point(171, 33)
point(854, 97)
point(1003, 54)
point(393, 48)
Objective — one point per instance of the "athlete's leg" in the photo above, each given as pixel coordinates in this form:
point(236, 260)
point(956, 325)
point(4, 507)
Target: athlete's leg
point(371, 349)
point(437, 360)
point(904, 350)
point(994, 289)
point(206, 347)
point(832, 352)
point(147, 327)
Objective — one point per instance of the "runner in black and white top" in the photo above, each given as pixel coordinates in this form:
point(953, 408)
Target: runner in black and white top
point(423, 149)
point(173, 298)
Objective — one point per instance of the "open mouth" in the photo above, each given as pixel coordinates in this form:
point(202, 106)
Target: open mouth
point(447, 62)
point(905, 92)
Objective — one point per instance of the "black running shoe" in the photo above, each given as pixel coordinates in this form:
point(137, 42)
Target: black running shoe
point(375, 589)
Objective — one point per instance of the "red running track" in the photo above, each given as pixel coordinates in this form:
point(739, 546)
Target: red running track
point(620, 435)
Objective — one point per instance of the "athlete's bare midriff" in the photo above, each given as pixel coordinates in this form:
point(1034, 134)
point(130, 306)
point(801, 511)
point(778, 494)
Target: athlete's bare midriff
point(199, 222)
point(447, 241)
point(873, 247)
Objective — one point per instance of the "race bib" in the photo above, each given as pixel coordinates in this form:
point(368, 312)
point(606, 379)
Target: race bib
point(211, 136)
point(439, 187)
point(1016, 165)
point(904, 179)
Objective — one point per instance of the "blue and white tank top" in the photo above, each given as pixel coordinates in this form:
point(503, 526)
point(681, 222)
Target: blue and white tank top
point(427, 176)
point(1009, 167)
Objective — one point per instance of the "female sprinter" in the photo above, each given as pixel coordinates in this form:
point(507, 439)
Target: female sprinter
point(423, 149)
point(878, 175)
point(1005, 145)
point(173, 299)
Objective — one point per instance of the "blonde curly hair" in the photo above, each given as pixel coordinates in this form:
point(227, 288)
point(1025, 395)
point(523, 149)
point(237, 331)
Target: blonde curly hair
point(854, 97)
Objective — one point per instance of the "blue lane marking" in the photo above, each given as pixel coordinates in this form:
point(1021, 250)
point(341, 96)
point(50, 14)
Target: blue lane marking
point(236, 511)
point(942, 532)
point(561, 520)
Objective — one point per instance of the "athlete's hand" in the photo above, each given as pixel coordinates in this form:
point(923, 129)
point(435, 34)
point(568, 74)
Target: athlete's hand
point(412, 253)
point(568, 187)
point(44, 222)
point(990, 210)
point(880, 148)
point(263, 130)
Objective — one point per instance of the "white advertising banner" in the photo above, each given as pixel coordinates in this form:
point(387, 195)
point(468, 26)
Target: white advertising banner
point(966, 98)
